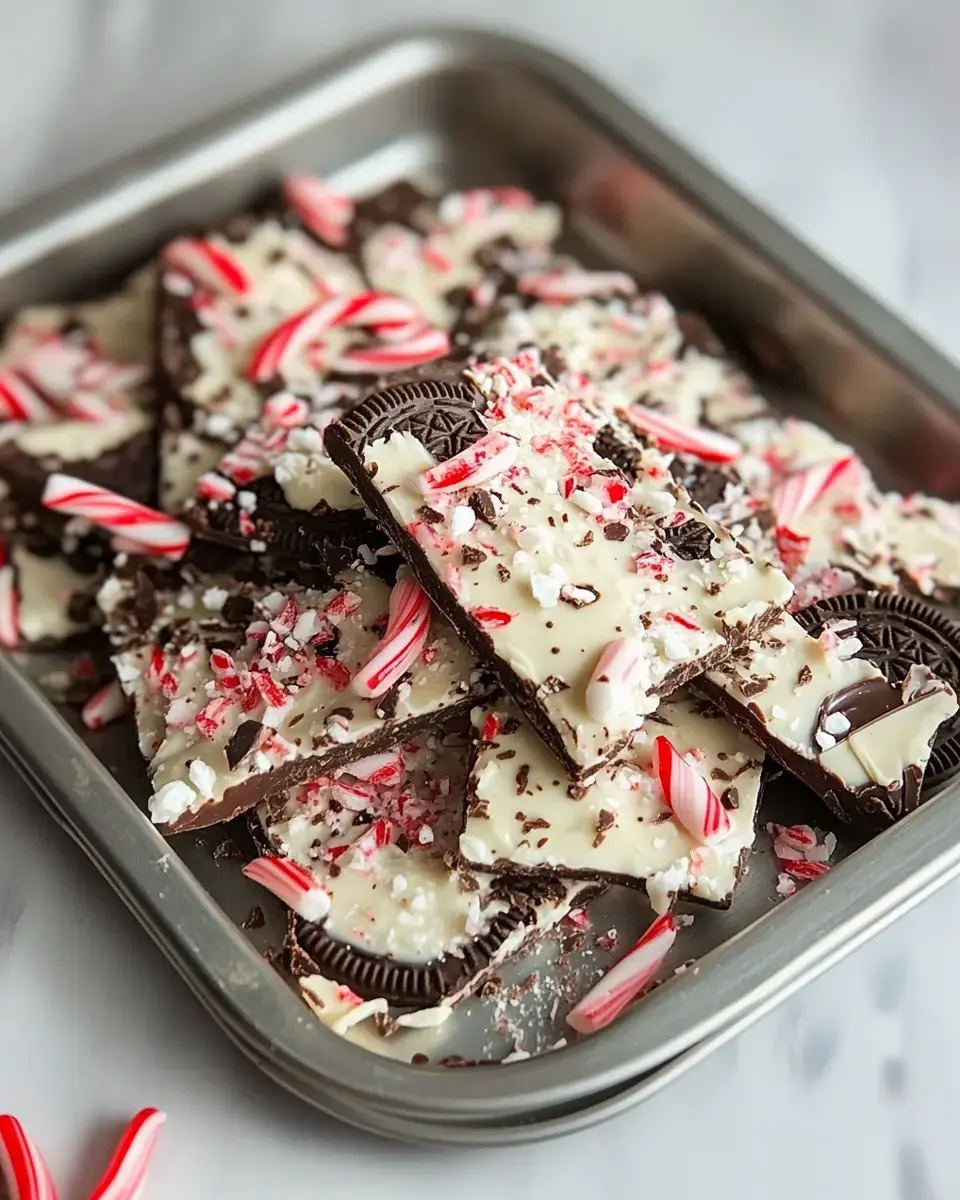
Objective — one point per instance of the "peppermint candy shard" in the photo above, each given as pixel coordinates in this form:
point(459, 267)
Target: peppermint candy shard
point(688, 795)
point(670, 434)
point(620, 670)
point(9, 605)
point(801, 490)
point(292, 884)
point(326, 212)
point(625, 981)
point(486, 459)
point(126, 1173)
point(104, 706)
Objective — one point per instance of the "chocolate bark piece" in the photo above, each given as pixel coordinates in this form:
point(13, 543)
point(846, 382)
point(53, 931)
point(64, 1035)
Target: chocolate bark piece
point(87, 366)
point(49, 572)
point(833, 719)
point(403, 924)
point(278, 488)
point(524, 818)
point(923, 537)
point(575, 560)
point(424, 249)
point(898, 632)
point(243, 690)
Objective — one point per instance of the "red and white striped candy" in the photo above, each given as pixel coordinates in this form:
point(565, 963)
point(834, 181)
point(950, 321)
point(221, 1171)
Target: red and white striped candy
point(19, 401)
point(381, 770)
point(213, 486)
point(801, 490)
point(564, 287)
point(208, 264)
point(285, 411)
point(104, 706)
point(621, 669)
point(126, 1174)
point(22, 1166)
point(486, 459)
point(292, 884)
point(490, 618)
point(673, 435)
point(153, 531)
point(324, 211)
point(291, 337)
point(408, 627)
point(689, 796)
point(622, 983)
point(397, 355)
point(9, 604)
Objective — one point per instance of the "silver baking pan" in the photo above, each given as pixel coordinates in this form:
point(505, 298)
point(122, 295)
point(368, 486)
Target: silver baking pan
point(472, 109)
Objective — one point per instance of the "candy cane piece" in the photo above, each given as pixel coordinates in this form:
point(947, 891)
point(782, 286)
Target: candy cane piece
point(563, 287)
point(689, 797)
point(291, 883)
point(670, 434)
point(325, 212)
point(404, 639)
point(285, 411)
point(622, 983)
point(104, 706)
point(20, 402)
point(9, 604)
point(22, 1166)
point(801, 490)
point(422, 348)
point(208, 264)
point(488, 457)
point(126, 1173)
point(153, 531)
point(292, 336)
point(381, 770)
point(213, 486)
point(621, 670)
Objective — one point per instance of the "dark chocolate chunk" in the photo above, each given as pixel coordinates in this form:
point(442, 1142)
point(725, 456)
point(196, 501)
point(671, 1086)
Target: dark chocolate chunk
point(615, 531)
point(898, 631)
point(471, 555)
point(245, 738)
point(482, 504)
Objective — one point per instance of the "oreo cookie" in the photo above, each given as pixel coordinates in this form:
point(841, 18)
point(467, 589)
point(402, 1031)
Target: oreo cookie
point(897, 632)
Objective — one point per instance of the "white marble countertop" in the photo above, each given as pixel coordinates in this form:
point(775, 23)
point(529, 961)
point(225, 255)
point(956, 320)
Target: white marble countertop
point(837, 114)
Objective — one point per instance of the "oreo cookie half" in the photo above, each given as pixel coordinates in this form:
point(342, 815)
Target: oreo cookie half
point(898, 631)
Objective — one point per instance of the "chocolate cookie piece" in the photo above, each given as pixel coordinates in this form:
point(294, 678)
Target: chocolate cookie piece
point(897, 632)
point(542, 555)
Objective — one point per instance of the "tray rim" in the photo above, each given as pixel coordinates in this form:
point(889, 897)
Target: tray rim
point(86, 205)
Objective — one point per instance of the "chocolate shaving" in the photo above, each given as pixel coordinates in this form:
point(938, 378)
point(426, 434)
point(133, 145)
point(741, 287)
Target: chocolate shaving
point(605, 821)
point(471, 555)
point(804, 676)
point(522, 776)
point(503, 573)
point(482, 504)
point(690, 540)
point(754, 686)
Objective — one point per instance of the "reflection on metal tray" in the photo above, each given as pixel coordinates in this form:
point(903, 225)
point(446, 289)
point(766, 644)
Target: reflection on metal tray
point(471, 110)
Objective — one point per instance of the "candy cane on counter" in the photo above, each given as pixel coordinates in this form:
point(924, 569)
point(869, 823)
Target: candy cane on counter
point(22, 1166)
point(363, 310)
point(623, 982)
point(153, 531)
point(408, 627)
point(688, 795)
point(126, 1173)
point(300, 891)
point(672, 435)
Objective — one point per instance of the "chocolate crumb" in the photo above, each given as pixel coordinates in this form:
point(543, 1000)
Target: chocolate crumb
point(419, 1060)
point(605, 821)
point(804, 676)
point(522, 776)
point(472, 555)
point(503, 573)
point(730, 798)
point(430, 515)
point(243, 741)
point(616, 531)
point(254, 919)
point(482, 504)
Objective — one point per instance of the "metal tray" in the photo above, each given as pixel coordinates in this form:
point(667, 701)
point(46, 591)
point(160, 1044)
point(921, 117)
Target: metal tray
point(474, 109)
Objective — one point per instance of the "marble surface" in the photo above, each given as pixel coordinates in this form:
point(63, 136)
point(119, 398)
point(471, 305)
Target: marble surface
point(836, 114)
